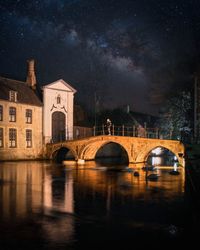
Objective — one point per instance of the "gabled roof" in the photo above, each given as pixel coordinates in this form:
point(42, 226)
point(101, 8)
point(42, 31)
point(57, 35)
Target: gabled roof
point(142, 118)
point(24, 93)
point(50, 85)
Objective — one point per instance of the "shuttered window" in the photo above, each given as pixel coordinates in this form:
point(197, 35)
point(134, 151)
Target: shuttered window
point(1, 137)
point(12, 114)
point(12, 138)
point(28, 116)
point(28, 138)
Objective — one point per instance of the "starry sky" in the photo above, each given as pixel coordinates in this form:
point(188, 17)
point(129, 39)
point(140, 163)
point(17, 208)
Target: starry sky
point(114, 52)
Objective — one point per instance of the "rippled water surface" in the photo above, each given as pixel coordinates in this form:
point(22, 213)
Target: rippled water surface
point(49, 206)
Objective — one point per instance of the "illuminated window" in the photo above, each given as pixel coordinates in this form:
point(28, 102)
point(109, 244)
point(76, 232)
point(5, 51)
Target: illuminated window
point(28, 138)
point(58, 99)
point(12, 114)
point(28, 116)
point(12, 138)
point(1, 137)
point(1, 113)
point(12, 96)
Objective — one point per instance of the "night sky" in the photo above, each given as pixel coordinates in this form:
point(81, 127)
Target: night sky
point(124, 52)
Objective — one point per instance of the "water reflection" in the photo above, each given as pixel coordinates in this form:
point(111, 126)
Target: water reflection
point(34, 185)
point(64, 198)
point(58, 203)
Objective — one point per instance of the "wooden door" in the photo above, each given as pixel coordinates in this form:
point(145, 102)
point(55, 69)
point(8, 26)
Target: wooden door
point(58, 127)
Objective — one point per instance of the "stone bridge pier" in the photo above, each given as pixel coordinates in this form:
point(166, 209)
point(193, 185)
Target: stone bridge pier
point(137, 149)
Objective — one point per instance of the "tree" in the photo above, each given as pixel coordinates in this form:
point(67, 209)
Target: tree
point(176, 119)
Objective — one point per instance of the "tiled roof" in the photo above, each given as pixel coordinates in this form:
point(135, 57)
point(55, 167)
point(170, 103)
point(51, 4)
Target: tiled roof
point(24, 93)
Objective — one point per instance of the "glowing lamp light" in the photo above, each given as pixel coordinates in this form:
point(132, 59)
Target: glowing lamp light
point(175, 166)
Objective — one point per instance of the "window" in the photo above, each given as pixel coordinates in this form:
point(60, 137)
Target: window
point(12, 138)
point(12, 96)
point(1, 137)
point(28, 116)
point(1, 113)
point(28, 138)
point(58, 99)
point(12, 114)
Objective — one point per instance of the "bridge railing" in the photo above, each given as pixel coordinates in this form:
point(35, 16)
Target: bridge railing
point(131, 131)
point(134, 131)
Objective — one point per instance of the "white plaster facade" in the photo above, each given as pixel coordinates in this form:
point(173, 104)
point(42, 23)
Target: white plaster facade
point(58, 97)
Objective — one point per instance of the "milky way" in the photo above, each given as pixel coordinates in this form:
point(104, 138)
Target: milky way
point(123, 52)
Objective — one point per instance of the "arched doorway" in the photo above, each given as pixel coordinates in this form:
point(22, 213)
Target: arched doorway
point(58, 126)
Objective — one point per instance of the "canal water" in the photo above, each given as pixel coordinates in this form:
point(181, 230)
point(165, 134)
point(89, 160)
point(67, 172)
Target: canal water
point(96, 206)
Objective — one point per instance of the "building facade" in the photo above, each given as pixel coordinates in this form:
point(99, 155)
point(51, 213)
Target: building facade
point(58, 99)
point(28, 122)
point(20, 121)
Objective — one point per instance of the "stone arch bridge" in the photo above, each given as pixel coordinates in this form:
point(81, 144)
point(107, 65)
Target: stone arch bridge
point(137, 149)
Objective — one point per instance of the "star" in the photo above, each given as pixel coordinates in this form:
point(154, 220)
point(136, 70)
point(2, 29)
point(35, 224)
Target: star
point(128, 43)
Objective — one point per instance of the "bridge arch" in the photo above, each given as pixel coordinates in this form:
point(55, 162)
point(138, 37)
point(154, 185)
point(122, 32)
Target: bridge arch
point(63, 153)
point(144, 154)
point(91, 150)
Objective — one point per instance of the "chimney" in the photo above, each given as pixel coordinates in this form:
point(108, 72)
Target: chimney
point(31, 79)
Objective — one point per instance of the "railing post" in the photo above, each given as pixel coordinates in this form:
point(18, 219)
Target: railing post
point(145, 129)
point(122, 130)
point(113, 129)
point(94, 128)
point(84, 132)
point(157, 133)
point(103, 132)
point(170, 134)
point(133, 131)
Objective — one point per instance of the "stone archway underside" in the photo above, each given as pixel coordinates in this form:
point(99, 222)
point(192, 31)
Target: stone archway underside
point(137, 148)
